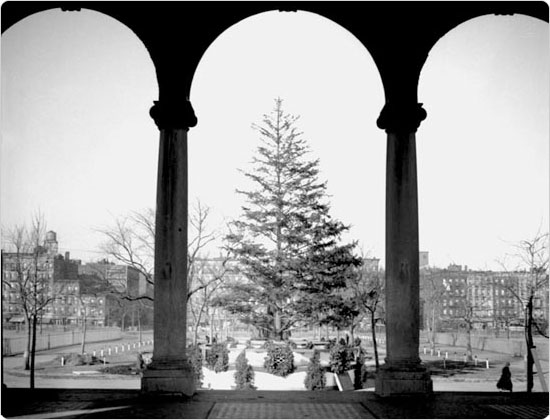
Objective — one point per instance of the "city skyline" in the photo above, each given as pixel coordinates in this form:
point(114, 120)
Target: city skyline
point(83, 107)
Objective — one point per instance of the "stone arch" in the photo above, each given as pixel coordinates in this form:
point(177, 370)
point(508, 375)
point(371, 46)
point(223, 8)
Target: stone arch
point(399, 40)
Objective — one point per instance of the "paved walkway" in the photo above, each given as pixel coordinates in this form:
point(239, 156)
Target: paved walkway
point(55, 403)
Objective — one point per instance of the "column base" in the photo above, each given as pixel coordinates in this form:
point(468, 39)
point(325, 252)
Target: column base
point(178, 380)
point(392, 382)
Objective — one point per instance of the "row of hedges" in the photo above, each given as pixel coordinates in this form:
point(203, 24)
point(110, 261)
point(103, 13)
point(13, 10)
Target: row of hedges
point(280, 361)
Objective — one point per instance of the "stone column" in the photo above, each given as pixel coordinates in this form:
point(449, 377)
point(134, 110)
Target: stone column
point(170, 372)
point(402, 372)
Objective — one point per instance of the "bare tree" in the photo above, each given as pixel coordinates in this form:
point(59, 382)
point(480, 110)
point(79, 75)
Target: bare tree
point(209, 277)
point(368, 291)
point(471, 310)
point(130, 241)
point(34, 288)
point(532, 256)
point(431, 293)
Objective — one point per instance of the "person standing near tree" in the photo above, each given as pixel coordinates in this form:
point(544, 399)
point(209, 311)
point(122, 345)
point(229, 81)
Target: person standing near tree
point(505, 381)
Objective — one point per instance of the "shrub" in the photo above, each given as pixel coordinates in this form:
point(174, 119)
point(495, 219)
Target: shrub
point(315, 376)
point(140, 363)
point(194, 355)
point(244, 374)
point(309, 345)
point(340, 358)
point(279, 360)
point(119, 370)
point(218, 358)
point(77, 359)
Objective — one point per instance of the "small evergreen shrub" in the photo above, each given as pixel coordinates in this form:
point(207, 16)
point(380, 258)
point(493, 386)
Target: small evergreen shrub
point(140, 363)
point(315, 376)
point(244, 374)
point(218, 358)
point(279, 360)
point(194, 355)
point(340, 358)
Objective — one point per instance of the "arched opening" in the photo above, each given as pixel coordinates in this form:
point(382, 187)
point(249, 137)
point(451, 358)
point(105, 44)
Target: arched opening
point(484, 185)
point(483, 151)
point(323, 74)
point(79, 148)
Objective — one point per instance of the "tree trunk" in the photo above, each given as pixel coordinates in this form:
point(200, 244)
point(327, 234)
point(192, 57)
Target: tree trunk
point(432, 331)
point(374, 344)
point(33, 349)
point(469, 342)
point(529, 342)
point(211, 326)
point(278, 334)
point(27, 354)
point(83, 347)
point(139, 323)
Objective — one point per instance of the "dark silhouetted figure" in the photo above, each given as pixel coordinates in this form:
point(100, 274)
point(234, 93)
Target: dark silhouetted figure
point(505, 381)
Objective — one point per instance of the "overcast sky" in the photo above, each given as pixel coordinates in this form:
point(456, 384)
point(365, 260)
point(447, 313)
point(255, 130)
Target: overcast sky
point(78, 144)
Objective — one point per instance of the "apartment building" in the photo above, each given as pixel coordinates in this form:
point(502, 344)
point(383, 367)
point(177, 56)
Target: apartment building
point(486, 298)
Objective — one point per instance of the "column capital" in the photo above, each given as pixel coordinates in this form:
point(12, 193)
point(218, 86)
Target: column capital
point(173, 115)
point(399, 117)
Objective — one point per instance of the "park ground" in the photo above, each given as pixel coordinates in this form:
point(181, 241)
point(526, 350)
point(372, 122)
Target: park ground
point(449, 373)
point(82, 392)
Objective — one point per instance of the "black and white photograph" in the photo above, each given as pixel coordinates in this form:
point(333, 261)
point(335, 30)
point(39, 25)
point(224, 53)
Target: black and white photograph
point(275, 209)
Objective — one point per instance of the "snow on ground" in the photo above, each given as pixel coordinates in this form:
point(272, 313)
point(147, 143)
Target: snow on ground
point(256, 359)
point(263, 381)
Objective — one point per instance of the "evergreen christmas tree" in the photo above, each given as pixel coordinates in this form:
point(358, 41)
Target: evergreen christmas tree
point(286, 243)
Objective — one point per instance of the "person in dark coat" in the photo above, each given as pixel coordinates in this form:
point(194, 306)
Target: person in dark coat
point(505, 381)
